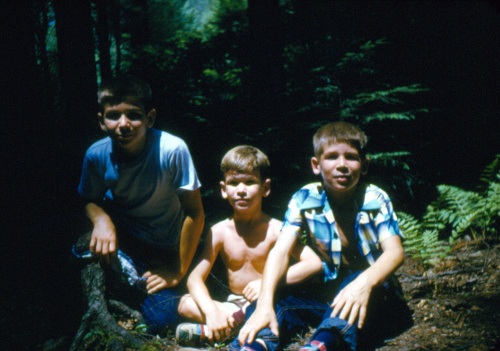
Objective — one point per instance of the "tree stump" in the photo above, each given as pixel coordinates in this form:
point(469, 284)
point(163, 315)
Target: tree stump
point(98, 313)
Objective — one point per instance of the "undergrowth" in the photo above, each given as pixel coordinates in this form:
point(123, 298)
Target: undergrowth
point(456, 213)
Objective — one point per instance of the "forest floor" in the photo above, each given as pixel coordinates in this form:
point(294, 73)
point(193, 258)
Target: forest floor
point(456, 304)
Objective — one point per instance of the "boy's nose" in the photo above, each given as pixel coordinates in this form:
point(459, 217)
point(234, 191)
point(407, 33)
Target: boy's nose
point(123, 121)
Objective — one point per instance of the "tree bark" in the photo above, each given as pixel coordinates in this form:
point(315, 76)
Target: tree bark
point(102, 29)
point(98, 314)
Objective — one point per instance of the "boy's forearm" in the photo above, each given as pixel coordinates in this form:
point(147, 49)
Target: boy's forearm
point(190, 236)
point(309, 264)
point(391, 258)
point(276, 266)
point(96, 214)
point(201, 295)
point(191, 229)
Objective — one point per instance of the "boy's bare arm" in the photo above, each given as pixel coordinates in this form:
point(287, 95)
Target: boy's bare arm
point(276, 266)
point(103, 239)
point(194, 220)
point(309, 264)
point(191, 229)
point(216, 320)
point(352, 301)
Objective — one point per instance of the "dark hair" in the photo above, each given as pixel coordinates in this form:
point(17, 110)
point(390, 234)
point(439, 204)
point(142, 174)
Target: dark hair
point(339, 132)
point(246, 158)
point(124, 88)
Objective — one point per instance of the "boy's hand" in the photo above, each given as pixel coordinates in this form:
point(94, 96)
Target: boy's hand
point(219, 326)
point(252, 290)
point(103, 241)
point(352, 301)
point(258, 321)
point(160, 278)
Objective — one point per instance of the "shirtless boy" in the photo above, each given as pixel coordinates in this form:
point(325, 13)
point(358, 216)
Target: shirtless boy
point(244, 242)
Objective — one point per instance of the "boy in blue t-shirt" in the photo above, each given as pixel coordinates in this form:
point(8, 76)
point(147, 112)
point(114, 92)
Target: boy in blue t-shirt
point(354, 230)
point(143, 197)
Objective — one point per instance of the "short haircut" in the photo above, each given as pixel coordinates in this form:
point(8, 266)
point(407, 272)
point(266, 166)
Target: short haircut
point(246, 158)
point(336, 132)
point(123, 88)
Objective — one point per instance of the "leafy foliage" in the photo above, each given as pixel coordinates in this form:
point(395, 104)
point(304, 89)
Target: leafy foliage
point(454, 214)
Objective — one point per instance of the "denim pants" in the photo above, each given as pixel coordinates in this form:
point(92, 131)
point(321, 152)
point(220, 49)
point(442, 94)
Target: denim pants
point(296, 310)
point(387, 316)
point(159, 309)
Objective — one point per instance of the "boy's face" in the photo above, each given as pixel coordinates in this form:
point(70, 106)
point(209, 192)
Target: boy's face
point(127, 125)
point(341, 167)
point(244, 190)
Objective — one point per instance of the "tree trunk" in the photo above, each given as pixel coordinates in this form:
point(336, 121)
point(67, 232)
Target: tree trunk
point(117, 33)
point(77, 72)
point(102, 28)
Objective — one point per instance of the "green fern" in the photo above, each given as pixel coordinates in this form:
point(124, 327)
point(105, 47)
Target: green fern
point(454, 214)
point(424, 244)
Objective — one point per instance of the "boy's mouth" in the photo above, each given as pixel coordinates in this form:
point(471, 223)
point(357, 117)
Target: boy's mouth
point(342, 178)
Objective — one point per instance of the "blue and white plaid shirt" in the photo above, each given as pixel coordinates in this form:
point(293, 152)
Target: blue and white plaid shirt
point(309, 213)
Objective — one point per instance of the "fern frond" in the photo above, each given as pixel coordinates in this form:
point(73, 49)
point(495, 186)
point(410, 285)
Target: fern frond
point(395, 116)
point(492, 172)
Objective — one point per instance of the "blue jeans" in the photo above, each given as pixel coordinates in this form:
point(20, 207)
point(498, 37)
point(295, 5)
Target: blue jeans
point(296, 310)
point(159, 309)
point(387, 316)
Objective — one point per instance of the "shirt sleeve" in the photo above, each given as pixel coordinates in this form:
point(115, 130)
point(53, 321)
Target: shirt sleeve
point(91, 185)
point(293, 216)
point(182, 169)
point(386, 221)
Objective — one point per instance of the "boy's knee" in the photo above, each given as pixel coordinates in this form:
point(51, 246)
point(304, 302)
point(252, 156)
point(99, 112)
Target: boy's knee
point(160, 311)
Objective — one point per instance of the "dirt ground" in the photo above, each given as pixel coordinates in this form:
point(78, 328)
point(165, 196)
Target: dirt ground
point(456, 303)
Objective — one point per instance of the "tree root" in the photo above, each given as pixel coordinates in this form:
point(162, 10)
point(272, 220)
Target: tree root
point(99, 316)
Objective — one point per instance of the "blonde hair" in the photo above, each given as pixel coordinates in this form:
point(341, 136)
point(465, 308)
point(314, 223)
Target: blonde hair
point(246, 158)
point(335, 132)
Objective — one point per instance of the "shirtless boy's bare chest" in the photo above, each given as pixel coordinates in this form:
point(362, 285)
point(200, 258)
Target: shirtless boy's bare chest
point(250, 253)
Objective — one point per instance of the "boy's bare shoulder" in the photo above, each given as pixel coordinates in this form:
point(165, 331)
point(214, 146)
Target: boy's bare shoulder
point(222, 226)
point(275, 223)
point(275, 227)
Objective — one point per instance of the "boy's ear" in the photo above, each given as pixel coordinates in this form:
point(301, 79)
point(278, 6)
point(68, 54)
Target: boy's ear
point(364, 165)
point(100, 117)
point(315, 165)
point(223, 190)
point(150, 118)
point(267, 187)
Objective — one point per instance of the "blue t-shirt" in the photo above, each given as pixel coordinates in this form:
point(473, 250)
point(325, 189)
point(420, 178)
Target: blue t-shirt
point(141, 196)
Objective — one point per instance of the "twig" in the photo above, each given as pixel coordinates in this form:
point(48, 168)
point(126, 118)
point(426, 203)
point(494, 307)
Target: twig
point(437, 275)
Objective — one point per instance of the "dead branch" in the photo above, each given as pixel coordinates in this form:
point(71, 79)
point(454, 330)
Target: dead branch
point(437, 275)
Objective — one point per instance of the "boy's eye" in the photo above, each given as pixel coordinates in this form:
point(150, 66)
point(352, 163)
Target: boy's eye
point(112, 116)
point(352, 157)
point(134, 116)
